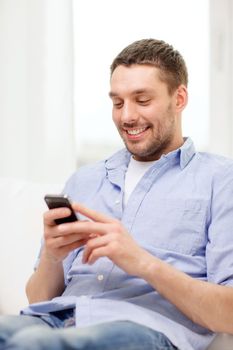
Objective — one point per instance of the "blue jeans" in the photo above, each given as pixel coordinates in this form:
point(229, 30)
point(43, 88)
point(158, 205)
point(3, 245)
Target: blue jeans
point(57, 332)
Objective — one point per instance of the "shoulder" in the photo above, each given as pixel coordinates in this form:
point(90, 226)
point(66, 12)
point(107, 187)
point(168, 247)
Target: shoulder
point(86, 175)
point(214, 162)
point(217, 168)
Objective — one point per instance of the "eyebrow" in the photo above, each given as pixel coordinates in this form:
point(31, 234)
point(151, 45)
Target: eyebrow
point(136, 92)
point(112, 94)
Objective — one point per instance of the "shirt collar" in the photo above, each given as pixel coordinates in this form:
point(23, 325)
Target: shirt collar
point(186, 151)
point(182, 155)
point(116, 167)
point(120, 160)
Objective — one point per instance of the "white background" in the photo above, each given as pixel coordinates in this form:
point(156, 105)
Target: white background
point(55, 113)
point(102, 29)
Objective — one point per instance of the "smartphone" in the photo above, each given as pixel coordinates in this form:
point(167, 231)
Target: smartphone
point(60, 201)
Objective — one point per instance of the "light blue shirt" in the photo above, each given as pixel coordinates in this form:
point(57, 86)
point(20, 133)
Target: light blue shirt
point(181, 211)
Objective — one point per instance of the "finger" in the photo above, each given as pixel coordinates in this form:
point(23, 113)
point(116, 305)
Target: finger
point(75, 245)
point(62, 241)
point(52, 214)
point(92, 244)
point(92, 214)
point(87, 227)
point(96, 254)
point(63, 251)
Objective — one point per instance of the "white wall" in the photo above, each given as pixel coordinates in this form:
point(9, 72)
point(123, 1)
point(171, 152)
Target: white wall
point(221, 77)
point(36, 90)
point(101, 30)
point(36, 85)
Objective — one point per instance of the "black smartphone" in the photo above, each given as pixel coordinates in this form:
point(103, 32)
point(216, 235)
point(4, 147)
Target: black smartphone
point(60, 201)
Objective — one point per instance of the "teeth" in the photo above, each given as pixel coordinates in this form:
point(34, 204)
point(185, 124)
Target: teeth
point(135, 131)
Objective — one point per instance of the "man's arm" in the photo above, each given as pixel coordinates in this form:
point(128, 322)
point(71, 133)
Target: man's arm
point(46, 282)
point(207, 304)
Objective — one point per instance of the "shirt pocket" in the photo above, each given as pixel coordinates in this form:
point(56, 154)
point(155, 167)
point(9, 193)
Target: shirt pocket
point(176, 225)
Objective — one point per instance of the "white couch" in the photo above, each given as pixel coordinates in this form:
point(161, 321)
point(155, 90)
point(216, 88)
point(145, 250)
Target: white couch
point(21, 209)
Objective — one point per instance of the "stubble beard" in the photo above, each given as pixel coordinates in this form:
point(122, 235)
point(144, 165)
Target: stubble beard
point(159, 141)
point(152, 150)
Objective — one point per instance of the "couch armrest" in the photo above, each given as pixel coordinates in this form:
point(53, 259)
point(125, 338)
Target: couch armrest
point(221, 342)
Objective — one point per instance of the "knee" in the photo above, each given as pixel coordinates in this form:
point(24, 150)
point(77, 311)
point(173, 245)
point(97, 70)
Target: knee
point(34, 337)
point(8, 324)
point(12, 324)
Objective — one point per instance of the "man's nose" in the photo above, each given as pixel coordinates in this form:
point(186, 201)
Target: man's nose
point(129, 113)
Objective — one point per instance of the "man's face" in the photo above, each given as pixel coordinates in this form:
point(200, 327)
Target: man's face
point(144, 113)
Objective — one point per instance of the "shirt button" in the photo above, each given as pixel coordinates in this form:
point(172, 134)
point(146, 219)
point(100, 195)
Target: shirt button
point(117, 201)
point(100, 277)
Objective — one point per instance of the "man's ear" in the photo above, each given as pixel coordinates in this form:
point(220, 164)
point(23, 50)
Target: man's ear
point(181, 98)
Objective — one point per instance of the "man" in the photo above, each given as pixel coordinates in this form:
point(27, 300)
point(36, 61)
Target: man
point(150, 265)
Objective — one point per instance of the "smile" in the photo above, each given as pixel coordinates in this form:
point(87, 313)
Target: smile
point(135, 131)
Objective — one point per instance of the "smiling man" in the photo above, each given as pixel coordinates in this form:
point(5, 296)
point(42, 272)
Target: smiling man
point(149, 265)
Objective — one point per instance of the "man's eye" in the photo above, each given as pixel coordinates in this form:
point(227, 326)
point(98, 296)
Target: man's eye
point(143, 102)
point(117, 104)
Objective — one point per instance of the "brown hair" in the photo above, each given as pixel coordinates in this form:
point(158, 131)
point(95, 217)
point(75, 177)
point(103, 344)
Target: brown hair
point(159, 54)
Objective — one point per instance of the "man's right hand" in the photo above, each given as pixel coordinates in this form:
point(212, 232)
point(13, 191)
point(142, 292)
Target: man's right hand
point(58, 243)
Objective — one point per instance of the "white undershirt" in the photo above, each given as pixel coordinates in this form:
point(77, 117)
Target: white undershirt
point(134, 173)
